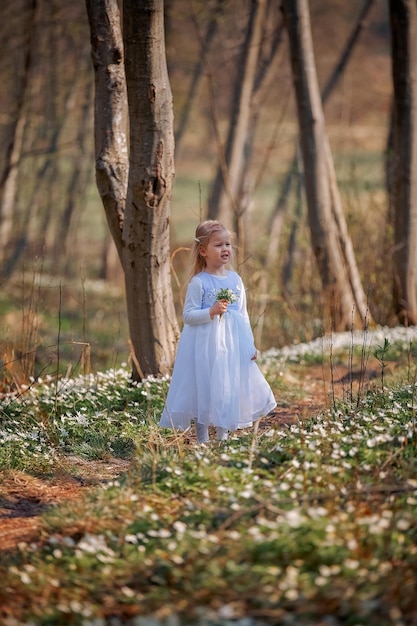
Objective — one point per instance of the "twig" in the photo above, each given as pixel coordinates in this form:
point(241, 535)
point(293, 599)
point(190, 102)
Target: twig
point(134, 359)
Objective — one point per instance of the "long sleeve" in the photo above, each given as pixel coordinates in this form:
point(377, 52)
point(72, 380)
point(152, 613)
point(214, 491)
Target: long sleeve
point(244, 313)
point(193, 314)
point(242, 302)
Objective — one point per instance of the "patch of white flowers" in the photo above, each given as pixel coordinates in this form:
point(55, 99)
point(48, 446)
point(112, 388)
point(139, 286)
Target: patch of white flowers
point(335, 342)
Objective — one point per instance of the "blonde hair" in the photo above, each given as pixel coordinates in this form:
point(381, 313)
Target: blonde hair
point(203, 233)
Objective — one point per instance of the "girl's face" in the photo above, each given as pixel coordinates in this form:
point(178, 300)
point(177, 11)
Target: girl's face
point(217, 253)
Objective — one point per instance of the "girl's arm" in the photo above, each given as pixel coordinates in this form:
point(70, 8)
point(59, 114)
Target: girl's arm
point(193, 314)
point(242, 303)
point(244, 312)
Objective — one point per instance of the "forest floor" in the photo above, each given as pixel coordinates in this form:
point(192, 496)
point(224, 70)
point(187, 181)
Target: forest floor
point(24, 498)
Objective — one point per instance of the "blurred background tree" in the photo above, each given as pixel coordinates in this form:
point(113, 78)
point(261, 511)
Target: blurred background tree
point(51, 217)
point(403, 158)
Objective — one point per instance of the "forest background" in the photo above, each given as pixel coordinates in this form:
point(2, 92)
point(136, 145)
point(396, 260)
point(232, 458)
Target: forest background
point(62, 287)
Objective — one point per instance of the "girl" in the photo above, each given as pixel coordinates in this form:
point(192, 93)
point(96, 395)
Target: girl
point(215, 380)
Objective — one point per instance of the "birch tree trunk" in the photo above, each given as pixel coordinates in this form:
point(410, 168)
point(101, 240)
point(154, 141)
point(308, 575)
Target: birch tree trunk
point(344, 299)
point(403, 21)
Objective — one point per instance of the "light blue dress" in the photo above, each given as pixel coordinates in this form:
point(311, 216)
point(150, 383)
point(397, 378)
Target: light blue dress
point(214, 380)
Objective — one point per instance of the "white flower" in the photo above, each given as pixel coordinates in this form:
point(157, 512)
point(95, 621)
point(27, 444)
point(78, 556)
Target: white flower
point(128, 592)
point(180, 527)
point(351, 564)
point(226, 294)
point(403, 524)
point(294, 518)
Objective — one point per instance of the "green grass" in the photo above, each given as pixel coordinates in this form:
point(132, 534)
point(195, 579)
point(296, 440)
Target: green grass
point(307, 524)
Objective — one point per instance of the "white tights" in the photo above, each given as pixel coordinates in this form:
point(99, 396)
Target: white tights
point(203, 434)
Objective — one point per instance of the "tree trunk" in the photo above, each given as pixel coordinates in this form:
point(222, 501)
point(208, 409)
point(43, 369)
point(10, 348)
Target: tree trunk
point(344, 299)
point(151, 312)
point(137, 198)
point(223, 201)
point(10, 170)
point(277, 217)
point(403, 20)
point(110, 112)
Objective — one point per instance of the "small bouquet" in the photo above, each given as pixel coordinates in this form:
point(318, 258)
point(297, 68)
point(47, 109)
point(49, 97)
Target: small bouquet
point(226, 294)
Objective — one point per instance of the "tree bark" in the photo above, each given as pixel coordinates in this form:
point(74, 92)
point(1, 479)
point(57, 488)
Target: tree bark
point(344, 299)
point(151, 312)
point(403, 22)
point(110, 112)
point(131, 79)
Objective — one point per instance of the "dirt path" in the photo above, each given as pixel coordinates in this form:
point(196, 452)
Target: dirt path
point(23, 498)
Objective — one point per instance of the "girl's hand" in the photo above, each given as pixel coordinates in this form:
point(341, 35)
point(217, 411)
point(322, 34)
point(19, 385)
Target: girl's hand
point(219, 308)
point(255, 356)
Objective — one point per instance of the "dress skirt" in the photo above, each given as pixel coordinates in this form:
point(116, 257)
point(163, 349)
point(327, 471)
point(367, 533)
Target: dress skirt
point(215, 381)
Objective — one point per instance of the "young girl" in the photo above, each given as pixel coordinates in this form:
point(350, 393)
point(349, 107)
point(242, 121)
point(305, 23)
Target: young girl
point(215, 380)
